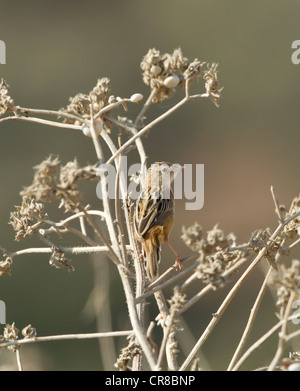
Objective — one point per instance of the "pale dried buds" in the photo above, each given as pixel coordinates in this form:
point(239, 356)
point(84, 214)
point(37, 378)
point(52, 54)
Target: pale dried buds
point(212, 83)
point(29, 332)
point(135, 98)
point(10, 333)
point(81, 105)
point(60, 261)
point(178, 300)
point(6, 102)
point(5, 266)
point(27, 217)
point(287, 282)
point(127, 355)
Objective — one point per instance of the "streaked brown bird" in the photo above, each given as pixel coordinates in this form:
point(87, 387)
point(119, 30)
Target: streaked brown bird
point(154, 214)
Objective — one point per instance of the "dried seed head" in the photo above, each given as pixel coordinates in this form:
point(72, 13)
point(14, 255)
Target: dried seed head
point(29, 332)
point(194, 69)
point(10, 333)
point(27, 218)
point(126, 355)
point(5, 266)
point(287, 282)
point(81, 104)
point(6, 102)
point(178, 300)
point(192, 236)
point(59, 260)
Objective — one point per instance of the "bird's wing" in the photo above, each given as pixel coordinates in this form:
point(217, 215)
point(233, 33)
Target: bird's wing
point(152, 212)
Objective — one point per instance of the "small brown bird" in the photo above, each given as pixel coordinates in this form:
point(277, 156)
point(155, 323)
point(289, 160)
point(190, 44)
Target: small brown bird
point(154, 214)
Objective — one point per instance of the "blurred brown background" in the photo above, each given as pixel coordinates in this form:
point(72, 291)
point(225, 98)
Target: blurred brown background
point(56, 49)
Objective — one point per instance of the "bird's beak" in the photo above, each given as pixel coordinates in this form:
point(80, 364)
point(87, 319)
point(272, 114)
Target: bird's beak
point(177, 168)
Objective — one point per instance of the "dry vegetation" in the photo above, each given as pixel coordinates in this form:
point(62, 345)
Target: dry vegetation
point(215, 256)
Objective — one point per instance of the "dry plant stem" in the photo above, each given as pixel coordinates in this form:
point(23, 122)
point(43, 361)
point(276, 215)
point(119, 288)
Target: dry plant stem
point(209, 287)
point(52, 112)
point(164, 313)
point(42, 121)
point(113, 149)
point(153, 123)
point(165, 283)
point(75, 231)
point(232, 293)
point(253, 312)
point(171, 270)
point(102, 310)
point(140, 278)
point(260, 341)
point(170, 320)
point(64, 337)
point(111, 107)
point(75, 216)
point(119, 218)
point(70, 250)
point(277, 209)
point(292, 245)
point(293, 335)
point(111, 251)
point(145, 108)
point(19, 362)
point(282, 334)
point(250, 322)
point(135, 321)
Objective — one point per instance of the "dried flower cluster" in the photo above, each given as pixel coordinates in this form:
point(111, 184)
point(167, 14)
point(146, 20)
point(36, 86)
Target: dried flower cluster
point(215, 256)
point(81, 104)
point(59, 260)
point(29, 332)
point(292, 229)
point(46, 187)
point(164, 72)
point(127, 355)
point(27, 217)
point(5, 266)
point(286, 282)
point(6, 102)
point(10, 333)
point(177, 300)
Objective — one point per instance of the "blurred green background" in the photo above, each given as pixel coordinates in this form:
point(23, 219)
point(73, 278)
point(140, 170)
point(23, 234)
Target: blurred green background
point(58, 48)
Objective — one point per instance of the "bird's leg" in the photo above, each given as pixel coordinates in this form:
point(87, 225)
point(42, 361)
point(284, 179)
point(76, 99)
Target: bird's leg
point(178, 259)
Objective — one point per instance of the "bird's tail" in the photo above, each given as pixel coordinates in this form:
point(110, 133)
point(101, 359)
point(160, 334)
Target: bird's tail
point(152, 255)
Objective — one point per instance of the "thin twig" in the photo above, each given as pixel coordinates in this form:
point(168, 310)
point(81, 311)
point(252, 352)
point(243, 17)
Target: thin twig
point(63, 337)
point(162, 351)
point(260, 341)
point(210, 287)
point(19, 362)
point(145, 108)
point(70, 250)
point(154, 122)
point(42, 121)
point(166, 283)
point(233, 291)
point(56, 113)
point(250, 322)
point(277, 209)
point(282, 334)
point(163, 321)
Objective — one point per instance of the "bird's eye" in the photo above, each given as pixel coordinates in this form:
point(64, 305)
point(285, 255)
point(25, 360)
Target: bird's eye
point(165, 169)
